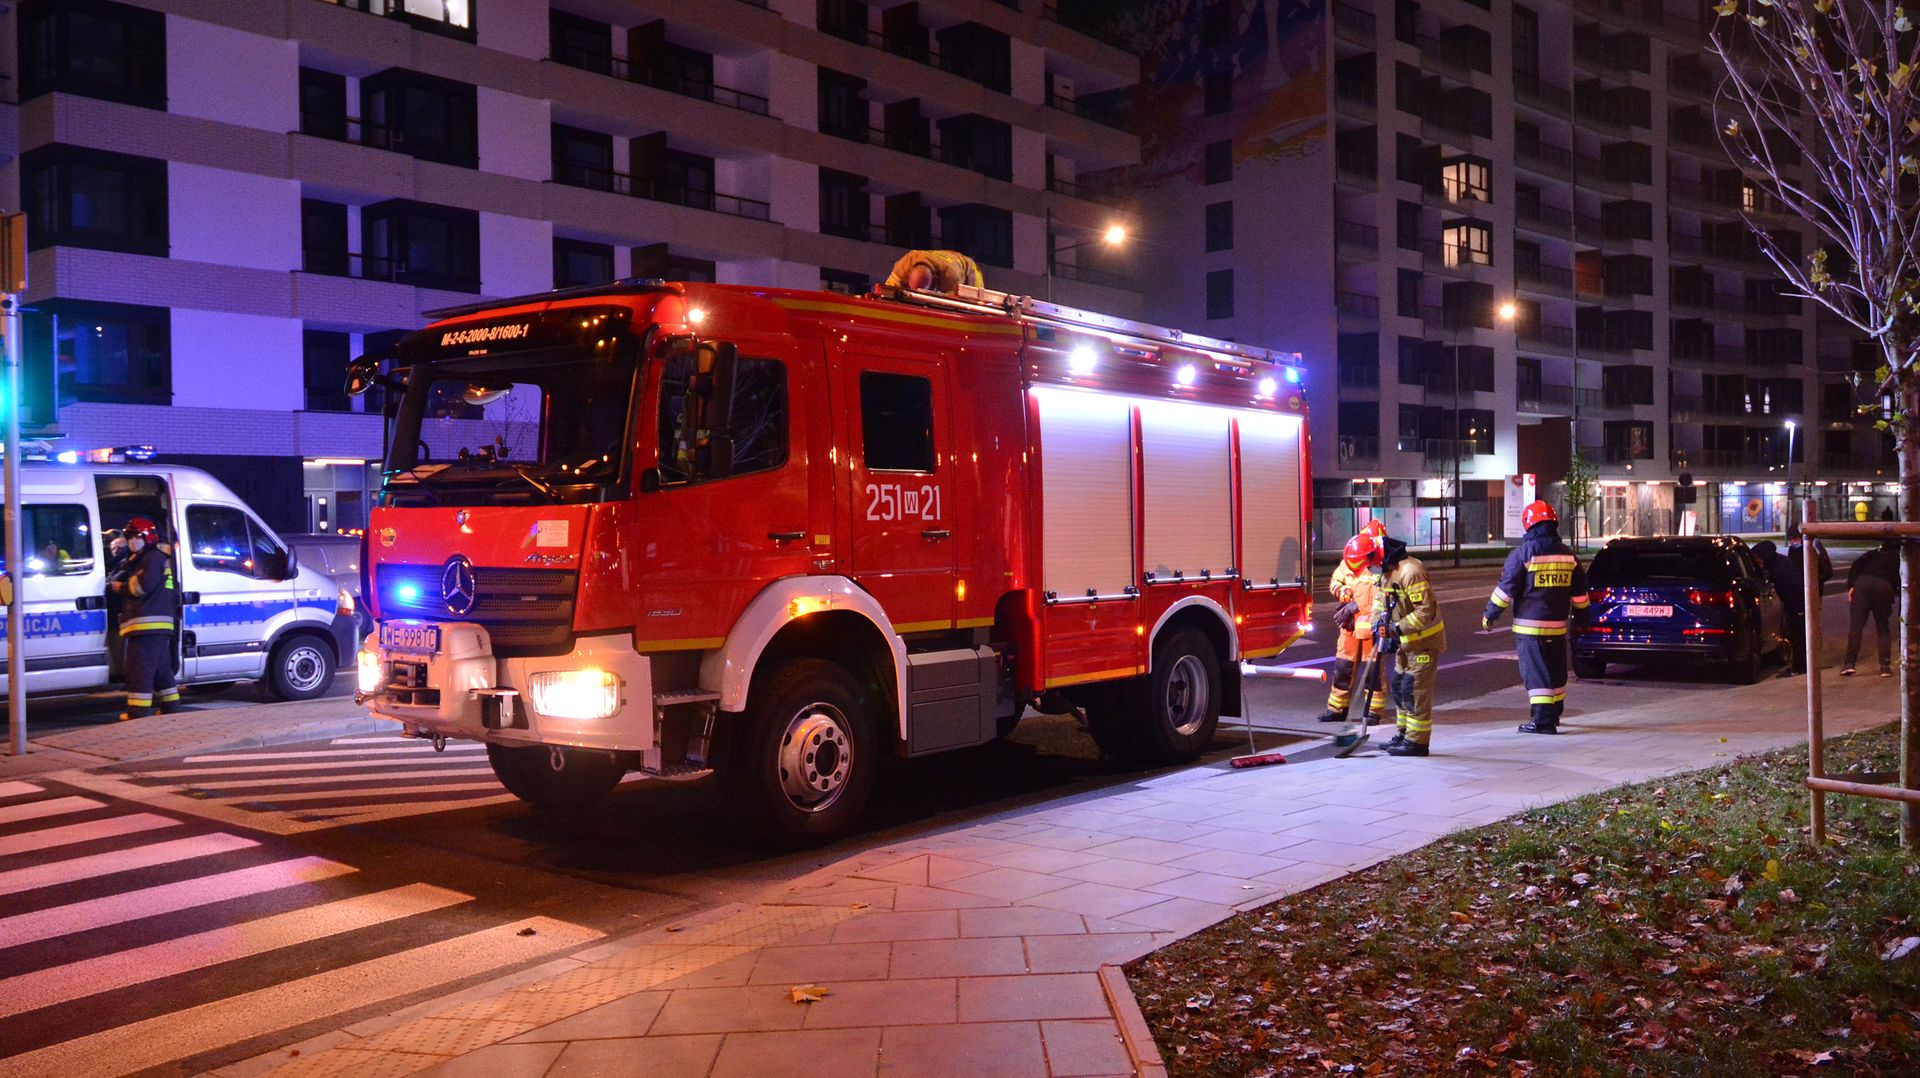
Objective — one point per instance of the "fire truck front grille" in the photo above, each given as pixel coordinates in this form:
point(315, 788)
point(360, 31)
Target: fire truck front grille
point(526, 611)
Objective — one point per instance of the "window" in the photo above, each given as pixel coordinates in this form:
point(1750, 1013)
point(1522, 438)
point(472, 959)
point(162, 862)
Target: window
point(1415, 358)
point(1220, 161)
point(1466, 243)
point(1359, 419)
point(428, 246)
point(1406, 225)
point(1526, 43)
point(227, 540)
point(979, 53)
point(93, 49)
point(323, 104)
point(323, 238)
point(1220, 226)
point(1409, 90)
point(1220, 294)
point(1476, 429)
point(758, 440)
point(1406, 21)
point(983, 232)
point(896, 422)
point(845, 282)
point(845, 209)
point(578, 262)
point(582, 158)
point(845, 19)
point(978, 144)
point(451, 17)
point(325, 356)
point(430, 118)
point(113, 353)
point(580, 42)
point(1622, 386)
point(1412, 160)
point(1218, 91)
point(1467, 179)
point(58, 542)
point(1408, 293)
point(843, 105)
point(90, 198)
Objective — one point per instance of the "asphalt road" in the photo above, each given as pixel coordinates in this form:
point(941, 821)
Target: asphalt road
point(341, 855)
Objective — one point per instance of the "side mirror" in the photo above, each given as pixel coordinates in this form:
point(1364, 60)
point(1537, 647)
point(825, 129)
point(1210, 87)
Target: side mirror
point(649, 480)
point(362, 374)
point(291, 567)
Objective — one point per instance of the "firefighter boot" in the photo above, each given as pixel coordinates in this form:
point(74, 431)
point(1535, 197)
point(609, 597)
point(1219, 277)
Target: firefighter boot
point(1399, 738)
point(1330, 715)
point(1542, 722)
point(1401, 747)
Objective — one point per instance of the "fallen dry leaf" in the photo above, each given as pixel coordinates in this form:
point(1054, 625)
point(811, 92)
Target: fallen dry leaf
point(806, 993)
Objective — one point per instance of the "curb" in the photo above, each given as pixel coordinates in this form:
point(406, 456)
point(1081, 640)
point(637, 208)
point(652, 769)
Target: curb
point(1141, 1051)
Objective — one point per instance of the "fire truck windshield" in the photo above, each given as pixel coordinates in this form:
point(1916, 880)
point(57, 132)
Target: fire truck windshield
point(516, 426)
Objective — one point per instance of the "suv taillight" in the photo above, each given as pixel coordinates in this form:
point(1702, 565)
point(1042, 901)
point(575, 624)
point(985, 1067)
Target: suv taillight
point(1597, 595)
point(1703, 597)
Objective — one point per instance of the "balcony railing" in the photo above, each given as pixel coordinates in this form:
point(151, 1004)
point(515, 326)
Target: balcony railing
point(1355, 447)
point(620, 183)
point(1552, 278)
point(1105, 116)
point(1356, 305)
point(1360, 375)
point(1547, 218)
point(1444, 448)
point(355, 130)
point(1353, 22)
point(1357, 234)
point(333, 263)
point(1546, 336)
point(699, 90)
point(1552, 399)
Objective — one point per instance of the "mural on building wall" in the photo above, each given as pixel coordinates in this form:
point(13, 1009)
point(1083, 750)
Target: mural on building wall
point(1274, 50)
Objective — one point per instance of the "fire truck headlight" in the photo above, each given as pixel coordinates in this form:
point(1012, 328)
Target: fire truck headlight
point(575, 694)
point(371, 673)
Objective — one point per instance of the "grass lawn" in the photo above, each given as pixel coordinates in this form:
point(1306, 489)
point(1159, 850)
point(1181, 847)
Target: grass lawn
point(1673, 928)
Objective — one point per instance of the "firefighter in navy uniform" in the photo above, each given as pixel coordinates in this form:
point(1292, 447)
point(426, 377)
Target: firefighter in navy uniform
point(149, 612)
point(1544, 584)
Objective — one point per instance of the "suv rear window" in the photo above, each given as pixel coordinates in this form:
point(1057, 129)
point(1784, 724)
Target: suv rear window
point(1626, 565)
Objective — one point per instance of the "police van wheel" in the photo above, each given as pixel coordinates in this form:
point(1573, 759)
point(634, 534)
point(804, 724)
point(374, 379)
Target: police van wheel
point(578, 787)
point(300, 668)
point(803, 757)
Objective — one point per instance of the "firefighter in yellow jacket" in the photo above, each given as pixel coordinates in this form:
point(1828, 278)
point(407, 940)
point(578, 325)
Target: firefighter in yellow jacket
point(1416, 637)
point(934, 271)
point(1354, 582)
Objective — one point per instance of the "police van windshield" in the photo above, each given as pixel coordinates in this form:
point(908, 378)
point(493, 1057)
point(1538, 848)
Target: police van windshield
point(547, 423)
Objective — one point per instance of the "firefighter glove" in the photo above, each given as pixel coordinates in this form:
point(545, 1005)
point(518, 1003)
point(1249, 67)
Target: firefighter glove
point(1343, 617)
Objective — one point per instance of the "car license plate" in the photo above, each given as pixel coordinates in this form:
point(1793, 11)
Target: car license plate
point(410, 637)
point(1647, 611)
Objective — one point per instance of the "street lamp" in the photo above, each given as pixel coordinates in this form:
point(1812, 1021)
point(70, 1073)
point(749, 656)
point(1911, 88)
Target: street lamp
point(1506, 311)
point(1793, 502)
point(1114, 235)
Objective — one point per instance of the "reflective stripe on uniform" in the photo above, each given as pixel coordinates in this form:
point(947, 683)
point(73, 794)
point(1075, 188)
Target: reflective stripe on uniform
point(1544, 561)
point(143, 625)
point(1501, 598)
point(1540, 626)
point(1580, 602)
point(171, 696)
point(139, 699)
point(1422, 634)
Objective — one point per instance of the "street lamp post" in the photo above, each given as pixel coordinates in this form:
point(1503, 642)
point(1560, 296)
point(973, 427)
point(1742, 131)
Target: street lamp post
point(1114, 235)
point(1506, 312)
point(1793, 503)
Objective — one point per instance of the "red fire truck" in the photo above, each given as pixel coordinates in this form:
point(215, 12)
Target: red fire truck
point(784, 535)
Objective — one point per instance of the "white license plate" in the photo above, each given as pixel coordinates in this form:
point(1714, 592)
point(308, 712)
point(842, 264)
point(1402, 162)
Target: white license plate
point(1647, 611)
point(409, 637)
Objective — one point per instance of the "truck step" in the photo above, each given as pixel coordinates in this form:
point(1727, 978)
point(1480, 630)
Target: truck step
point(681, 772)
point(684, 696)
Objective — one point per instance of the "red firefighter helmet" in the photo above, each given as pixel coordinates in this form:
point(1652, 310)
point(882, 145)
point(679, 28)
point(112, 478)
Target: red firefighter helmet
point(1375, 527)
point(1362, 552)
point(1535, 512)
point(141, 527)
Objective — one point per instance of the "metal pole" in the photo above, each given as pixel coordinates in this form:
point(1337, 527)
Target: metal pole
point(1458, 448)
point(1816, 733)
point(16, 556)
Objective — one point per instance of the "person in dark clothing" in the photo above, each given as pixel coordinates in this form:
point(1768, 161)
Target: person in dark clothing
point(1545, 585)
point(1872, 582)
point(1886, 514)
point(1789, 579)
point(149, 615)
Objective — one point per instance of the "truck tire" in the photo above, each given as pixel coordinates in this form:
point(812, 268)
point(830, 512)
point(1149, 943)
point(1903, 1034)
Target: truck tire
point(577, 788)
point(1168, 716)
point(300, 668)
point(803, 756)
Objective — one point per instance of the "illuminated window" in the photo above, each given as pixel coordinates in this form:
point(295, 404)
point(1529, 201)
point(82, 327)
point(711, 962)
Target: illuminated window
point(1467, 179)
point(1467, 243)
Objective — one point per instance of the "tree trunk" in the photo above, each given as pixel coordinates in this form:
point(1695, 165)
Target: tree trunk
point(1909, 444)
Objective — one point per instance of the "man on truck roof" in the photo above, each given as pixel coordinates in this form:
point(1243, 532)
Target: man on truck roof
point(934, 271)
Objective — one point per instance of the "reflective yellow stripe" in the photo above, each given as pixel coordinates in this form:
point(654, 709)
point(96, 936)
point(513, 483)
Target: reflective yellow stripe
point(1408, 638)
point(1537, 630)
point(170, 696)
point(140, 625)
point(137, 700)
point(1552, 559)
point(1501, 599)
point(1546, 697)
point(1580, 602)
point(1541, 623)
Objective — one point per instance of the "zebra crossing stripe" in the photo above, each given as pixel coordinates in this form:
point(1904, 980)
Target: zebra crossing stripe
point(106, 864)
point(18, 789)
point(48, 838)
point(166, 898)
point(317, 754)
point(78, 980)
point(274, 770)
point(384, 791)
point(162, 1039)
point(36, 810)
point(362, 814)
point(317, 780)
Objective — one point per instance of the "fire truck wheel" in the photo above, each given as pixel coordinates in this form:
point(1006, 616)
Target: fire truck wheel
point(579, 787)
point(1174, 720)
point(804, 755)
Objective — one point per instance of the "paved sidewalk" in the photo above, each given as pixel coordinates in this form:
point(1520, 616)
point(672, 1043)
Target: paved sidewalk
point(979, 950)
point(196, 730)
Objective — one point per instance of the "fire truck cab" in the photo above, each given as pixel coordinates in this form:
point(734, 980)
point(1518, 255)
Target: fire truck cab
point(782, 535)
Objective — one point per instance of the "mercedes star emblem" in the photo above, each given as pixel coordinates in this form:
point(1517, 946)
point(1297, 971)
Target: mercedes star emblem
point(457, 586)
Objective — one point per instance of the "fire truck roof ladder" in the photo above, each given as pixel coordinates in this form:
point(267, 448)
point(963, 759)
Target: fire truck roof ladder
point(1040, 312)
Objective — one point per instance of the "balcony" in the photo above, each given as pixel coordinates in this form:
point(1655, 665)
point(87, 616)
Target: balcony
point(1551, 219)
point(1353, 23)
point(1359, 447)
point(352, 129)
point(1359, 374)
point(1357, 306)
point(453, 22)
point(1444, 449)
point(671, 82)
point(1532, 90)
point(1556, 338)
point(1546, 278)
point(1355, 234)
point(1548, 160)
point(1099, 112)
point(1538, 399)
point(365, 267)
point(619, 183)
point(1361, 165)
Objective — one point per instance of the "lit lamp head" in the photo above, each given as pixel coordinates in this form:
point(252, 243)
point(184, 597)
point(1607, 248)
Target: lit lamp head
point(1508, 311)
point(1115, 235)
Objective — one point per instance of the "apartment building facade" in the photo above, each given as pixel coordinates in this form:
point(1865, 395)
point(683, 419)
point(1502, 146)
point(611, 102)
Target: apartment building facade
point(228, 200)
point(1501, 231)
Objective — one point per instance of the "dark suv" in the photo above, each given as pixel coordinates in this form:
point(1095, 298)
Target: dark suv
point(1683, 597)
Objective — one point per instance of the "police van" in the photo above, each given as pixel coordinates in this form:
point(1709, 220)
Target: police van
point(249, 610)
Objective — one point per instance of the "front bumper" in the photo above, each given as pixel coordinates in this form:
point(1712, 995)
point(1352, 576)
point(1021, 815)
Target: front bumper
point(455, 692)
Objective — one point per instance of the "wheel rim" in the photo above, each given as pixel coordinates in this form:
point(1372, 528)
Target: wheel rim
point(304, 668)
point(1187, 693)
point(816, 756)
